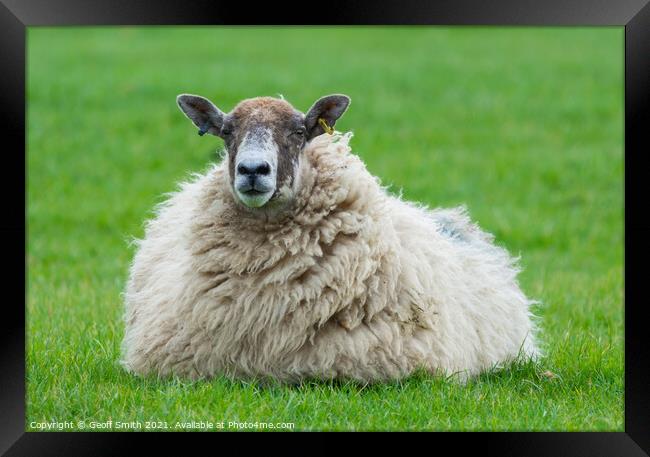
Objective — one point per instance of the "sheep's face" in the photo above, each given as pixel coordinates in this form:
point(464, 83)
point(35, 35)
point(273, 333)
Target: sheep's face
point(264, 138)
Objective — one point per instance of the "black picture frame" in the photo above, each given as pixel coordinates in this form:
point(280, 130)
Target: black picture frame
point(634, 15)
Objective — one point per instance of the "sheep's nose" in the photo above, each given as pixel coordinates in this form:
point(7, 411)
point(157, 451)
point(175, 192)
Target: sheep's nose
point(254, 168)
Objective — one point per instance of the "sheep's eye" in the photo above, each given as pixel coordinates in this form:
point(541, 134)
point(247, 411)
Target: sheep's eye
point(299, 132)
point(226, 131)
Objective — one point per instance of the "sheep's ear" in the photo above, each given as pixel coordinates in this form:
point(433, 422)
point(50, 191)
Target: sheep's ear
point(207, 117)
point(328, 108)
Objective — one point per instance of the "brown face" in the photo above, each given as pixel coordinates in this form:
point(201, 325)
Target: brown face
point(264, 138)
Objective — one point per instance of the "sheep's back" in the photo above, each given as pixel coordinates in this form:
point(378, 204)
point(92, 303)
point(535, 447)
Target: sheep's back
point(474, 315)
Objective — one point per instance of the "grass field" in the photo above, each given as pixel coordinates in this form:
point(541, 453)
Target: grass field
point(523, 125)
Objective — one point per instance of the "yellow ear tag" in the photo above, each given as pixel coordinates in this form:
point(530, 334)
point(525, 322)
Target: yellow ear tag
point(326, 127)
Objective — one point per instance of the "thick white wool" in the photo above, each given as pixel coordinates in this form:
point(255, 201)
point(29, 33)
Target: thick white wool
point(348, 282)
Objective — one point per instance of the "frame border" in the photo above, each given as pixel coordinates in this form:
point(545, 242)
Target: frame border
point(634, 15)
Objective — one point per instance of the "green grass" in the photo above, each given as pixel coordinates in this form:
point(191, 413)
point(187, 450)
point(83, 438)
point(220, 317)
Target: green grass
point(523, 125)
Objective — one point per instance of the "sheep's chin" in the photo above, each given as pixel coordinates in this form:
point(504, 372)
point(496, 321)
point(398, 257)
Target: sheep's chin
point(254, 201)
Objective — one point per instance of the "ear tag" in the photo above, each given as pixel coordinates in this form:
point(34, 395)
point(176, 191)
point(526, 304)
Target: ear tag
point(203, 130)
point(326, 127)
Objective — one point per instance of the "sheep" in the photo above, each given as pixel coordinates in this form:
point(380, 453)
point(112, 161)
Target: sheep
point(288, 260)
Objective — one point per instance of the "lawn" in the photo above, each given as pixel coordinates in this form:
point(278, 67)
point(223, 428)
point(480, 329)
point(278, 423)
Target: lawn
point(523, 125)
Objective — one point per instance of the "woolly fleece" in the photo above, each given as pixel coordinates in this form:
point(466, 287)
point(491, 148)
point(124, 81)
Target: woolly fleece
point(346, 282)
